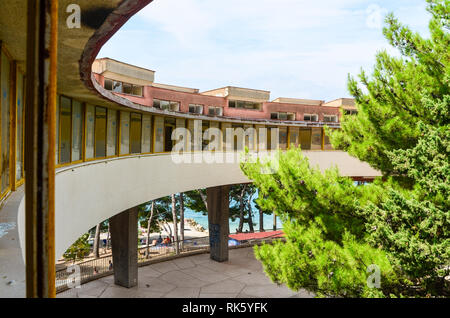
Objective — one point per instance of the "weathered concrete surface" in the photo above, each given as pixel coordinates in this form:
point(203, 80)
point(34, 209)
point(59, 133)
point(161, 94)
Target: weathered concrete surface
point(194, 277)
point(218, 219)
point(124, 237)
point(12, 266)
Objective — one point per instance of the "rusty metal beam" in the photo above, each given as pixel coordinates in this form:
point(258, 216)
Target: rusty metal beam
point(40, 112)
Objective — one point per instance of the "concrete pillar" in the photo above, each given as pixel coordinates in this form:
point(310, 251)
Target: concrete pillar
point(218, 219)
point(124, 241)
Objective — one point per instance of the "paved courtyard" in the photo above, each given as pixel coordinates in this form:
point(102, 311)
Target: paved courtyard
point(194, 277)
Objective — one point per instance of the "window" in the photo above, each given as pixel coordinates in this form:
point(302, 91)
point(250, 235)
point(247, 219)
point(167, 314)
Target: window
point(117, 87)
point(156, 103)
point(293, 137)
point(111, 142)
point(146, 133)
point(244, 104)
point(283, 138)
point(65, 126)
point(100, 132)
point(196, 109)
point(350, 111)
point(175, 106)
point(215, 111)
point(124, 88)
point(159, 134)
point(316, 139)
point(305, 138)
point(282, 116)
point(137, 90)
point(90, 131)
point(5, 100)
point(127, 88)
point(124, 133)
point(330, 118)
point(311, 117)
point(169, 127)
point(135, 132)
point(19, 126)
point(166, 105)
point(77, 130)
point(109, 84)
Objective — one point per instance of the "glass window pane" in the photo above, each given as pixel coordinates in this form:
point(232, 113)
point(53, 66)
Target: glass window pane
point(77, 130)
point(282, 116)
point(90, 130)
point(283, 138)
point(159, 134)
point(57, 130)
point(127, 88)
point(174, 106)
point(316, 139)
point(19, 127)
point(146, 133)
point(293, 137)
point(112, 133)
point(165, 105)
point(117, 87)
point(100, 132)
point(327, 143)
point(124, 133)
point(156, 103)
point(137, 90)
point(108, 84)
point(65, 128)
point(135, 132)
point(5, 91)
point(305, 138)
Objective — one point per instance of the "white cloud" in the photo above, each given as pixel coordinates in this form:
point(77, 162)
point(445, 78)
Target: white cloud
point(295, 48)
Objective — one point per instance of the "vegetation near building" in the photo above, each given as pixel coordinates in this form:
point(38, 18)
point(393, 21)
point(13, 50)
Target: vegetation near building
point(78, 250)
point(401, 223)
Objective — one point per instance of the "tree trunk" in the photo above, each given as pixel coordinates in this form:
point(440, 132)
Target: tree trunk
point(241, 209)
point(97, 241)
point(181, 220)
point(175, 230)
point(168, 229)
point(204, 199)
point(250, 214)
point(148, 228)
point(274, 221)
point(108, 239)
point(261, 221)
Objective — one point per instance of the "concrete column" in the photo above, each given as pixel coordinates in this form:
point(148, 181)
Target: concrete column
point(124, 240)
point(218, 218)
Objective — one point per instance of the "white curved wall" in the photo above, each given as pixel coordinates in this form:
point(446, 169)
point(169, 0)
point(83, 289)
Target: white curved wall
point(93, 192)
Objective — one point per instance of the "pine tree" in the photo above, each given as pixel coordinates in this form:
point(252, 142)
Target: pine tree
point(401, 223)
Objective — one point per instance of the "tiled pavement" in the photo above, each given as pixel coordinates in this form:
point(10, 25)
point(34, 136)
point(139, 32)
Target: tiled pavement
point(194, 277)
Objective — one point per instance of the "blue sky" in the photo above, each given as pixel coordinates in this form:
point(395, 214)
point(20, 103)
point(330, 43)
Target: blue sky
point(294, 48)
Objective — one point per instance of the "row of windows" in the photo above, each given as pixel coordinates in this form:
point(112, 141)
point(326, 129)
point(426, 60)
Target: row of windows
point(12, 83)
point(124, 88)
point(87, 132)
point(99, 126)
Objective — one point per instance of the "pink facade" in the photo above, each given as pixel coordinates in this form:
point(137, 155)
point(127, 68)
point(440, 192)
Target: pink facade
point(185, 99)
